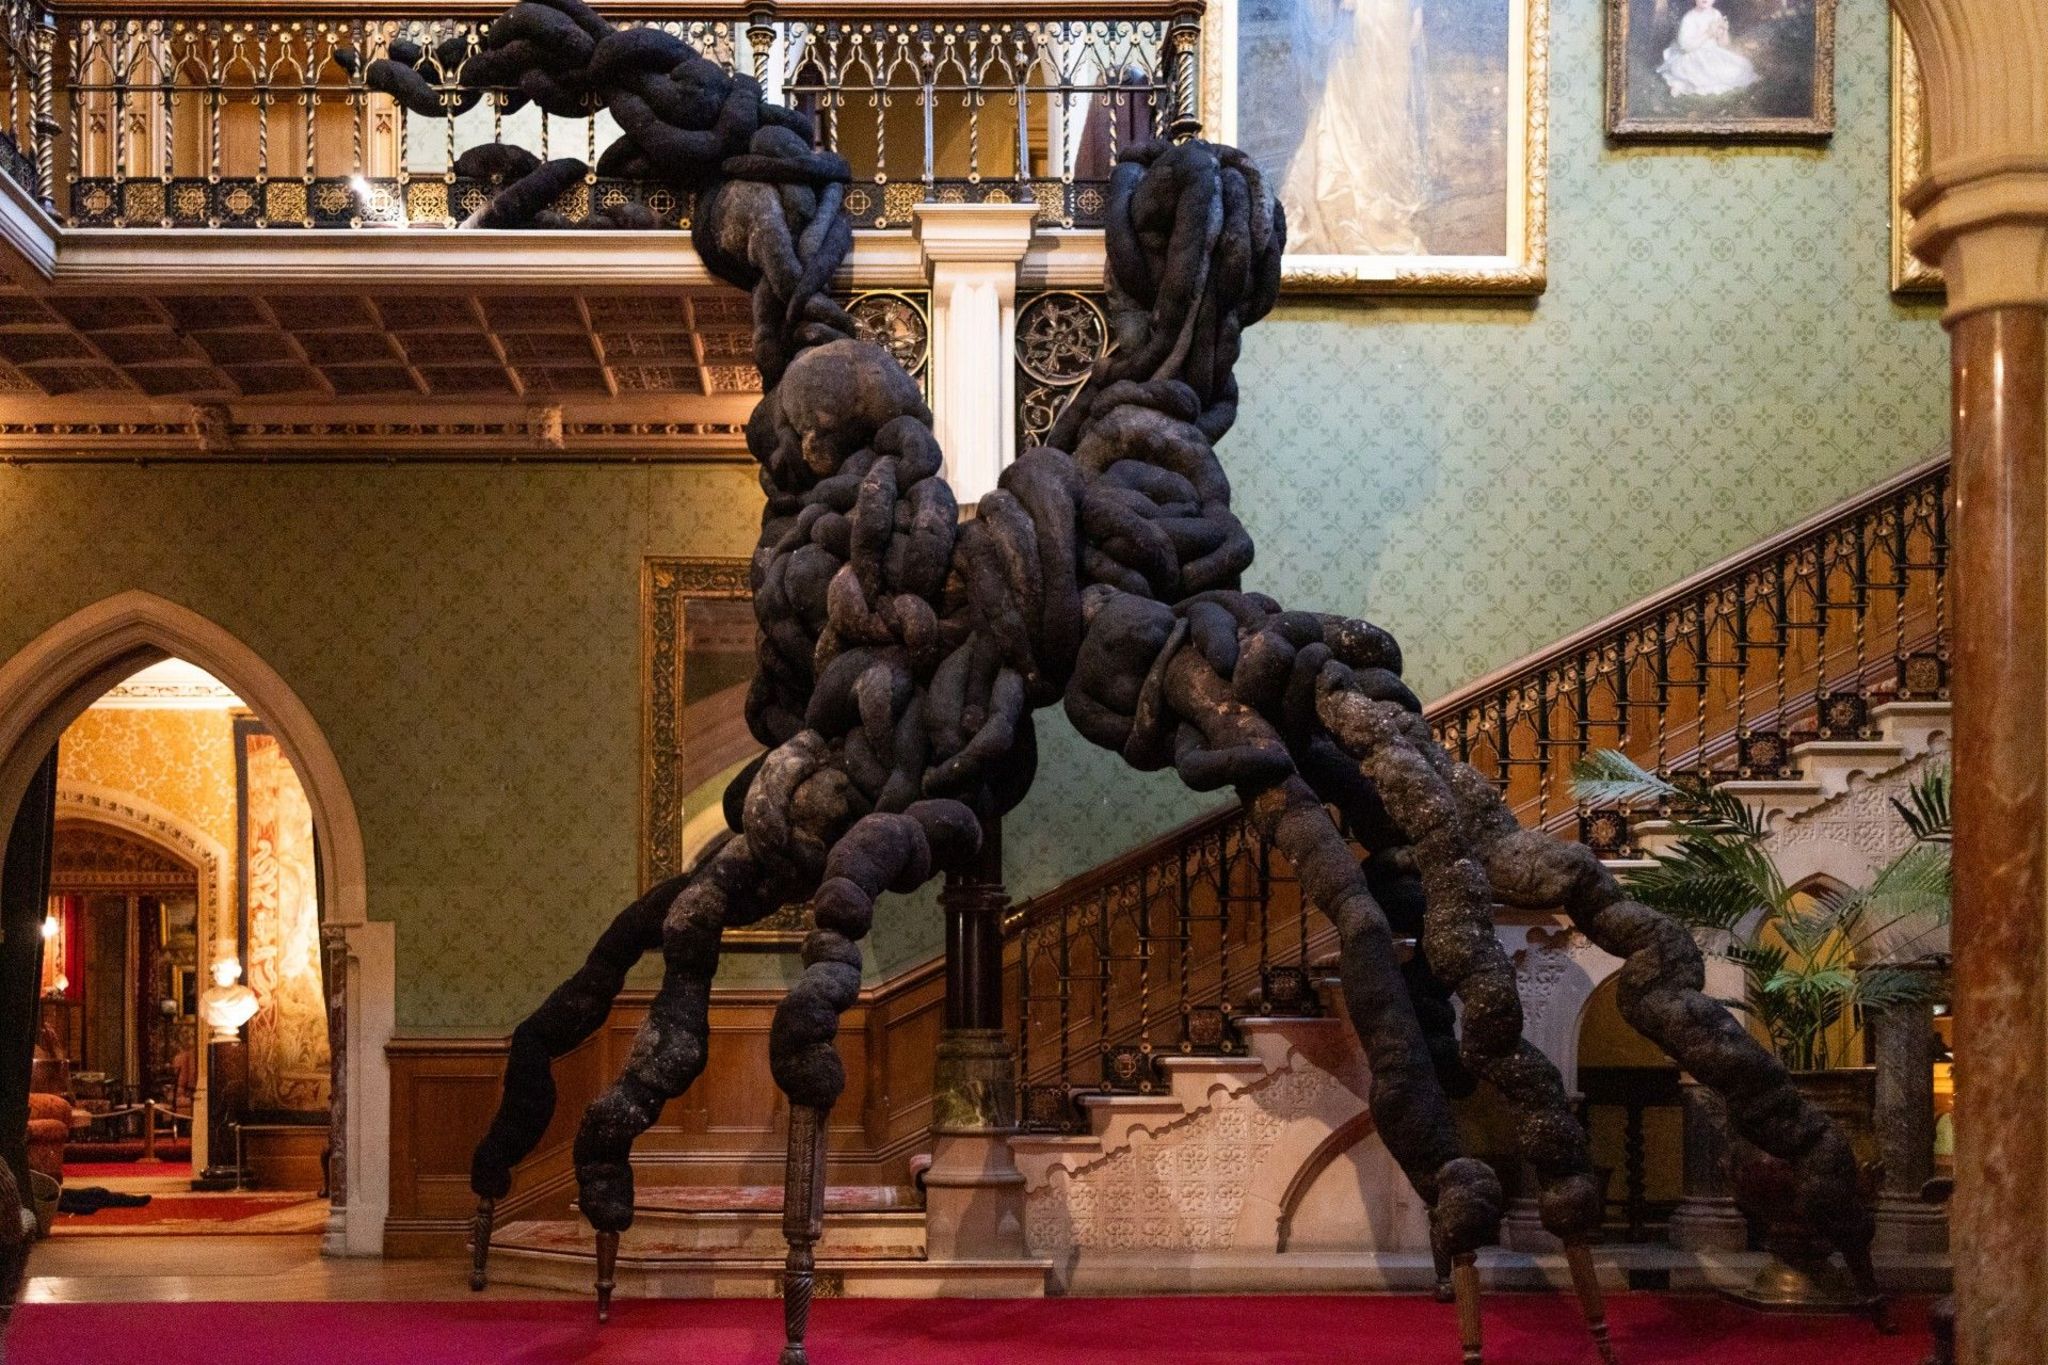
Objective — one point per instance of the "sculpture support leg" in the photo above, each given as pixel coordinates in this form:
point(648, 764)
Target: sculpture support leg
point(607, 1272)
point(1465, 1288)
point(668, 1053)
point(879, 852)
point(480, 1242)
point(803, 1223)
point(1408, 1103)
point(1390, 747)
point(1586, 1281)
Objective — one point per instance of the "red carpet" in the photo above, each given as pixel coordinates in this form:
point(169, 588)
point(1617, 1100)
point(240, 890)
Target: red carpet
point(1360, 1330)
point(100, 1170)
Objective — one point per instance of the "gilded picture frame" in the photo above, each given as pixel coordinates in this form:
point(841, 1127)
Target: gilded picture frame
point(669, 586)
point(1640, 107)
point(1518, 268)
point(1909, 274)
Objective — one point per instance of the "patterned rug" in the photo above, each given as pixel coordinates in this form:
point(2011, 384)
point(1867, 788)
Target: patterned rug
point(237, 1213)
point(101, 1170)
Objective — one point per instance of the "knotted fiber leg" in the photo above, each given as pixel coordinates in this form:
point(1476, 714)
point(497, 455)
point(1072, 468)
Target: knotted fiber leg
point(1465, 1285)
point(1586, 1280)
point(480, 1242)
point(803, 1223)
point(607, 1273)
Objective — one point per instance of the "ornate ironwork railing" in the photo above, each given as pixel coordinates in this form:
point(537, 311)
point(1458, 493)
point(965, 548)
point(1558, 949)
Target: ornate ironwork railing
point(121, 115)
point(1720, 676)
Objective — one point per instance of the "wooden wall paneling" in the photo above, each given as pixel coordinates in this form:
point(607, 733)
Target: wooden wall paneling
point(727, 1129)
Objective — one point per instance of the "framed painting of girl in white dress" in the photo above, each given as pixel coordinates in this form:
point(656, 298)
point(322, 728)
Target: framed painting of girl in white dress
point(1406, 139)
point(1721, 69)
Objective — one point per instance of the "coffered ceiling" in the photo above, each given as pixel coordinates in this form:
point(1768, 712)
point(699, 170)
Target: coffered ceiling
point(280, 368)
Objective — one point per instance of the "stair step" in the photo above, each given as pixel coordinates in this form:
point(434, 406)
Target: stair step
point(561, 1254)
point(744, 1238)
point(767, 1199)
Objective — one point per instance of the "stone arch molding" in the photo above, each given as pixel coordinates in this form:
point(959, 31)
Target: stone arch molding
point(88, 803)
point(46, 686)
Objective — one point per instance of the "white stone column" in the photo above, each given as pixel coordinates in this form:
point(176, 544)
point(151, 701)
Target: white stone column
point(971, 253)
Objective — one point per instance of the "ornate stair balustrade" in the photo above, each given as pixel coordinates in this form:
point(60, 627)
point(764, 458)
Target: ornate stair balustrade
point(1718, 677)
point(211, 115)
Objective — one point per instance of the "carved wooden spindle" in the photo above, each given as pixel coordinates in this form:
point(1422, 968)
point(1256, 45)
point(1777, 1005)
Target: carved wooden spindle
point(607, 1273)
point(480, 1242)
point(1465, 1288)
point(803, 1223)
point(1586, 1282)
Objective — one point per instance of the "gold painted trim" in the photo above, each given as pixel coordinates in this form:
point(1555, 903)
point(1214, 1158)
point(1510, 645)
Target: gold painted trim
point(1522, 270)
point(1909, 274)
point(667, 586)
point(1820, 126)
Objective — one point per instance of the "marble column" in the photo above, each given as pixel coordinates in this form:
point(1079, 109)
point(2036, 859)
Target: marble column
point(1706, 1218)
point(974, 1193)
point(1903, 1037)
point(2000, 935)
point(1981, 214)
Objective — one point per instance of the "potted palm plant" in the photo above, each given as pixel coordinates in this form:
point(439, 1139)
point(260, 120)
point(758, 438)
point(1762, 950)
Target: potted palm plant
point(1813, 962)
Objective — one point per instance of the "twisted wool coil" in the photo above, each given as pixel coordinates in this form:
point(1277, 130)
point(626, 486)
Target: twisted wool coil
point(902, 655)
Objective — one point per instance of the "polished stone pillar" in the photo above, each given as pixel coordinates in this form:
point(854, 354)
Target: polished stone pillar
point(974, 1193)
point(1706, 1218)
point(1903, 1038)
point(2000, 935)
point(1981, 214)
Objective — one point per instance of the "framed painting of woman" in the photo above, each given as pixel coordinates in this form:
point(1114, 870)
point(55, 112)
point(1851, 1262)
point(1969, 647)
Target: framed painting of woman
point(1406, 139)
point(1721, 69)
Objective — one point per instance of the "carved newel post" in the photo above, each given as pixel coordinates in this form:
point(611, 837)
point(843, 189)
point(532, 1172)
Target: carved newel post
point(1904, 1116)
point(1981, 214)
point(974, 1193)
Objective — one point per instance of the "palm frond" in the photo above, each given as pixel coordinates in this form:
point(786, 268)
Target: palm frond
point(1719, 812)
point(1609, 777)
point(1927, 815)
point(1914, 884)
point(1710, 881)
point(1878, 988)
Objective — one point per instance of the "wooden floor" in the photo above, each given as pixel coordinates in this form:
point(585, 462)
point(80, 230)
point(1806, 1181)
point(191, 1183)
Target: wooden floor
point(237, 1269)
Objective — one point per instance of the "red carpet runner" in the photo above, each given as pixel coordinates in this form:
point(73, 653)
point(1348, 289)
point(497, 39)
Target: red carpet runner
point(1359, 1330)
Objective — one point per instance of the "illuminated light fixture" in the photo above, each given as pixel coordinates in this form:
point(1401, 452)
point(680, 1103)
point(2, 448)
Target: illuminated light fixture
point(51, 926)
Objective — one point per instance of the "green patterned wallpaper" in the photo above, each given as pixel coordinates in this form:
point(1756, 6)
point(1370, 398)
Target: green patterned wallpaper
point(1716, 358)
point(468, 640)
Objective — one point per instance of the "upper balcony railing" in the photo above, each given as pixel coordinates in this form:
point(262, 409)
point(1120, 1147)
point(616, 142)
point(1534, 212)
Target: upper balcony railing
point(182, 115)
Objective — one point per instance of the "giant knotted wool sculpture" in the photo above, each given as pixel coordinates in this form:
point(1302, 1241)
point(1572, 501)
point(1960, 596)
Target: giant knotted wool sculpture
point(903, 654)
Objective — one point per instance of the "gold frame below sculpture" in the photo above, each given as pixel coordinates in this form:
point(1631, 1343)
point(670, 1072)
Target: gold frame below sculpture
point(1910, 274)
point(667, 586)
point(1521, 270)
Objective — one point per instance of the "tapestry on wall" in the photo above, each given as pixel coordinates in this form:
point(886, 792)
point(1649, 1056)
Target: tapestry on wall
point(279, 899)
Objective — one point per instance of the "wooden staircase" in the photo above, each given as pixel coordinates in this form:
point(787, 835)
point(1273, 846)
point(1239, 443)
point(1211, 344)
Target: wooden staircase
point(1184, 984)
point(726, 1242)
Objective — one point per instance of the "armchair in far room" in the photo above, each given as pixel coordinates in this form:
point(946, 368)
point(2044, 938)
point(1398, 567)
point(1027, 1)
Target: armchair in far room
point(49, 1128)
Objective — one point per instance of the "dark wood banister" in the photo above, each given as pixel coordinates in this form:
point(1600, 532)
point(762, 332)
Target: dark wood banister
point(1699, 584)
